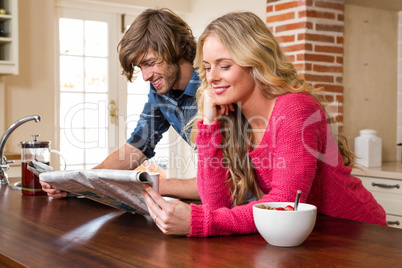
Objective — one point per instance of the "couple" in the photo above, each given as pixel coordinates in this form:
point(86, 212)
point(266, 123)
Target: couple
point(261, 132)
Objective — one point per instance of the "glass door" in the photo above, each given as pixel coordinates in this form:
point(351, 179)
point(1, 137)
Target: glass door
point(88, 72)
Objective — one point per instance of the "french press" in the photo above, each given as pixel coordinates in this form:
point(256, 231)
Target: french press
point(40, 152)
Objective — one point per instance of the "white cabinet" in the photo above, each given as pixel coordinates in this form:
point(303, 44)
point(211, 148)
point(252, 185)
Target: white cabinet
point(385, 183)
point(8, 37)
point(388, 193)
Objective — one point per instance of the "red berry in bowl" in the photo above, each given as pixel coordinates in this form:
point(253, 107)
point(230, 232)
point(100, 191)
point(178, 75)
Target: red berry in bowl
point(289, 208)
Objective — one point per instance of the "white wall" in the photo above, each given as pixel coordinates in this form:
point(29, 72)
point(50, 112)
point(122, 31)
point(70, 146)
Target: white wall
point(32, 91)
point(177, 5)
point(2, 107)
point(204, 11)
point(370, 75)
point(399, 116)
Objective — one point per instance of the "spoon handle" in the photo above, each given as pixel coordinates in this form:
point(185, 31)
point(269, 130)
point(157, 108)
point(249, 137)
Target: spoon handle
point(297, 199)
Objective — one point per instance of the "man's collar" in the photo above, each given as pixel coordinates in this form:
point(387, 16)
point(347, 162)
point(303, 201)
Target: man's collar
point(193, 85)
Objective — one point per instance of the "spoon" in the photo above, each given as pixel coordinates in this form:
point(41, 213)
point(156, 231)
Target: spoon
point(297, 199)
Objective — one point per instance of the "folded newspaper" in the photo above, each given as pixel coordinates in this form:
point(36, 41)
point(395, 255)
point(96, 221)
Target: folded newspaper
point(121, 189)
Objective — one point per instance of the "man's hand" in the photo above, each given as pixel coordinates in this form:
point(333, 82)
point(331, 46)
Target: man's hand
point(47, 188)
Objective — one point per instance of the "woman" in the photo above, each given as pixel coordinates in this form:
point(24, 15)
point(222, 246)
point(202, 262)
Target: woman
point(263, 135)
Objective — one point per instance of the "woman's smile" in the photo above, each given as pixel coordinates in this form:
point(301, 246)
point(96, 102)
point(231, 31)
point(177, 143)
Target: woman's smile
point(219, 89)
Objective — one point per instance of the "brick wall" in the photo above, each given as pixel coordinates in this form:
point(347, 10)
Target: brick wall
point(311, 34)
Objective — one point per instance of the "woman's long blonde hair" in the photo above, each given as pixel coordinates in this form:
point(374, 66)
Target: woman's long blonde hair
point(252, 45)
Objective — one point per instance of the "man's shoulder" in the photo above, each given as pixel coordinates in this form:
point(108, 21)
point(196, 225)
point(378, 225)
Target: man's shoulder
point(195, 78)
point(193, 84)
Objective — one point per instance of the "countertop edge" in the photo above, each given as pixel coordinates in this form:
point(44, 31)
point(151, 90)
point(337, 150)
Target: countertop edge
point(388, 170)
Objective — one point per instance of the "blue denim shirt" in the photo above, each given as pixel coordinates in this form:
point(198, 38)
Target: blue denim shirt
point(163, 111)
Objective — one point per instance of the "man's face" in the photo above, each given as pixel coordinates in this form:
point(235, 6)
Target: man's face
point(162, 75)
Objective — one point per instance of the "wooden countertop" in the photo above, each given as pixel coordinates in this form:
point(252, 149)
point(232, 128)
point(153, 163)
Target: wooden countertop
point(388, 170)
point(36, 231)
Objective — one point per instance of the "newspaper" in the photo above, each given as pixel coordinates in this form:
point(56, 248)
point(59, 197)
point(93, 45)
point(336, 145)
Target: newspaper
point(121, 189)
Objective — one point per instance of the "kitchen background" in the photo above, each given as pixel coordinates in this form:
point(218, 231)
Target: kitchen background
point(367, 72)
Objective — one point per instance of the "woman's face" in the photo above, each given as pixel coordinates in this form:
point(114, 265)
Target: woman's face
point(231, 82)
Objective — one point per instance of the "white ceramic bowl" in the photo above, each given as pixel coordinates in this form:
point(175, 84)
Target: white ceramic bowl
point(285, 228)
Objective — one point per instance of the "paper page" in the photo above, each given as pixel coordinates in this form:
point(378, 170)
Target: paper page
point(121, 189)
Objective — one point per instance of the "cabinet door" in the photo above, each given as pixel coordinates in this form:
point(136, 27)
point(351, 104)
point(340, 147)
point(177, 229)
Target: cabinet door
point(388, 193)
point(9, 37)
point(394, 221)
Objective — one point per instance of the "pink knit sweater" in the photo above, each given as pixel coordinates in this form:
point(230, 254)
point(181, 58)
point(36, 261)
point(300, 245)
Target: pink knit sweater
point(296, 152)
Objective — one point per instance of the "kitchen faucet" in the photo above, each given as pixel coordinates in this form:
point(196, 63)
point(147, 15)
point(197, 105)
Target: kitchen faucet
point(3, 161)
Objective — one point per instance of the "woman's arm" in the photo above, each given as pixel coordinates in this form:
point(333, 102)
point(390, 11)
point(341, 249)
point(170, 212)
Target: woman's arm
point(212, 176)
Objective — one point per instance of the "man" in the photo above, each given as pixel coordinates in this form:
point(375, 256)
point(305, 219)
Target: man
point(161, 45)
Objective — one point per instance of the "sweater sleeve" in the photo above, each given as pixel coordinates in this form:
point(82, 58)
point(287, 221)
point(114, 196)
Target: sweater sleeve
point(223, 221)
point(212, 175)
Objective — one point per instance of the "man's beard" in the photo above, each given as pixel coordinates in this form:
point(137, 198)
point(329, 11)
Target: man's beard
point(169, 79)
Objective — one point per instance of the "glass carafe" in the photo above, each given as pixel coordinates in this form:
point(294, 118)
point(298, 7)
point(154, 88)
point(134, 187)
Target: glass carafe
point(33, 150)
